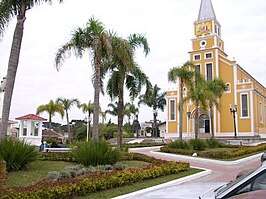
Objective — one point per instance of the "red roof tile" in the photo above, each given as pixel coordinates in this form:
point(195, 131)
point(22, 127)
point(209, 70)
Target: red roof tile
point(31, 117)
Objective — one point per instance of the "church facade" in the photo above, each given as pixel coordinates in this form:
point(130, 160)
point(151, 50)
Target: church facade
point(245, 97)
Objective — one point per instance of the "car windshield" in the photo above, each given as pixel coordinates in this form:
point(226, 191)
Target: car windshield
point(230, 184)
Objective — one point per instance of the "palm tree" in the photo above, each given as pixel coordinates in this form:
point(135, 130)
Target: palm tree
point(51, 108)
point(185, 74)
point(130, 109)
point(67, 104)
point(8, 10)
point(125, 72)
point(103, 116)
point(198, 93)
point(95, 39)
point(156, 101)
point(216, 87)
point(87, 109)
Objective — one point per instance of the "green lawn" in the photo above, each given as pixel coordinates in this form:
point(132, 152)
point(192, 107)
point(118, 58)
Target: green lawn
point(137, 186)
point(39, 170)
point(35, 171)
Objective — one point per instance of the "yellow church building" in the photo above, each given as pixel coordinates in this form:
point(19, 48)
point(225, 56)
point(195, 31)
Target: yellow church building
point(244, 95)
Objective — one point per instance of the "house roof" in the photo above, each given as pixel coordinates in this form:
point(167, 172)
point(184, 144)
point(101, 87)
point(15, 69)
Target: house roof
point(206, 11)
point(51, 133)
point(31, 117)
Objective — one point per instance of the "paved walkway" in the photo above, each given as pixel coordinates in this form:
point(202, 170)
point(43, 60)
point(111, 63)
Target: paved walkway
point(221, 171)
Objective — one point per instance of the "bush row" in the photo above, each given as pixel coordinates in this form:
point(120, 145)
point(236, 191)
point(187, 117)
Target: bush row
point(218, 154)
point(2, 174)
point(57, 156)
point(94, 182)
point(195, 144)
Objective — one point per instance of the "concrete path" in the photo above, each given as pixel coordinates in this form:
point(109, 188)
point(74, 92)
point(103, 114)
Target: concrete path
point(216, 171)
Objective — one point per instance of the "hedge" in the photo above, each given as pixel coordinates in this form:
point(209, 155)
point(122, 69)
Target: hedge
point(236, 152)
point(2, 174)
point(57, 156)
point(94, 182)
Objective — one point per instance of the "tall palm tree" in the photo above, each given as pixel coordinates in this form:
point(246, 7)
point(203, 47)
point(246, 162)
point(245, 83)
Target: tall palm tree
point(156, 101)
point(216, 87)
point(67, 104)
point(126, 73)
point(198, 94)
point(8, 10)
point(87, 108)
point(185, 74)
point(94, 39)
point(51, 108)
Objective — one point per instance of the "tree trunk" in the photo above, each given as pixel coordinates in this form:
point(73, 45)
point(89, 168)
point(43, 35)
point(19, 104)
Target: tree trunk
point(155, 123)
point(120, 107)
point(97, 86)
point(180, 107)
point(50, 121)
point(12, 69)
point(211, 120)
point(68, 127)
point(197, 120)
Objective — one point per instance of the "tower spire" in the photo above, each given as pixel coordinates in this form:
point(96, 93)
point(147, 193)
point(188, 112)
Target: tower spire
point(206, 11)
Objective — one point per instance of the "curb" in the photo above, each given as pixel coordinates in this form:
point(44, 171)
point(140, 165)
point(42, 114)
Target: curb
point(167, 184)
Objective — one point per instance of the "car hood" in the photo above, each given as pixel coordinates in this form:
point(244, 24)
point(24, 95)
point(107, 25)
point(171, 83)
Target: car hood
point(186, 191)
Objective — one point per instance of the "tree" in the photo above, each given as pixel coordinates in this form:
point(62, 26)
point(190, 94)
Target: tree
point(103, 116)
point(130, 109)
point(156, 101)
point(67, 104)
point(125, 73)
point(87, 109)
point(216, 87)
point(198, 93)
point(51, 108)
point(8, 10)
point(94, 39)
point(185, 74)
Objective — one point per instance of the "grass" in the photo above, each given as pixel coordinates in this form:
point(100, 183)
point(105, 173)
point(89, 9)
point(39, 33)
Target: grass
point(39, 170)
point(34, 172)
point(137, 186)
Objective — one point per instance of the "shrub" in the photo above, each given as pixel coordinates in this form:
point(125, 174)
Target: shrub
point(95, 153)
point(197, 144)
point(179, 144)
point(57, 156)
point(2, 174)
point(212, 143)
point(17, 154)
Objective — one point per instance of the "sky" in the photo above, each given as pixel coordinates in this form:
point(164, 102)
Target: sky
point(167, 24)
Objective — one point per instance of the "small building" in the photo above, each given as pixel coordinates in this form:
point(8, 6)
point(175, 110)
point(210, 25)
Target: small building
point(30, 128)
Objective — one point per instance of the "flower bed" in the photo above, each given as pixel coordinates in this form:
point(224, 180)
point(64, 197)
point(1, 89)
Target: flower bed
point(2, 174)
point(95, 181)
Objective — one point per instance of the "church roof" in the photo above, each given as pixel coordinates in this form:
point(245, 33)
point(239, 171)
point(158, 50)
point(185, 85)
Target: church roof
point(206, 10)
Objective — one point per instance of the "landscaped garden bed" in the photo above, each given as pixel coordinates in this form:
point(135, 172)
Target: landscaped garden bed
point(211, 149)
point(116, 170)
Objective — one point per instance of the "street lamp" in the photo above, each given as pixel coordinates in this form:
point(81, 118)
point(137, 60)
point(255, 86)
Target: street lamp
point(88, 121)
point(233, 110)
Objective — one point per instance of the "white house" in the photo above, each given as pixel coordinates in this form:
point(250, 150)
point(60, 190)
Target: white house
point(30, 128)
